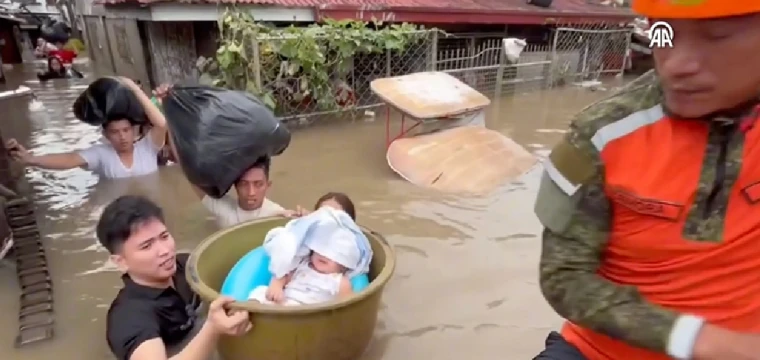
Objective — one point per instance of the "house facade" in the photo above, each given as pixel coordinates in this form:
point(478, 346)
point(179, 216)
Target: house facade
point(10, 40)
point(27, 15)
point(159, 41)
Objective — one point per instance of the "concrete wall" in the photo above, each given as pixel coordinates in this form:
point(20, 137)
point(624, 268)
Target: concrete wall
point(127, 49)
point(172, 50)
point(98, 48)
point(16, 111)
point(161, 43)
point(150, 51)
point(117, 47)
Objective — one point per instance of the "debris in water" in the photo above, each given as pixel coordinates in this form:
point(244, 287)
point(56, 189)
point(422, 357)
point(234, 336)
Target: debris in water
point(464, 160)
point(552, 131)
point(369, 116)
point(593, 85)
point(36, 105)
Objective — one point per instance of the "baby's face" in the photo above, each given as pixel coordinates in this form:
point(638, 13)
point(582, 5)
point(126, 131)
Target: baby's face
point(324, 265)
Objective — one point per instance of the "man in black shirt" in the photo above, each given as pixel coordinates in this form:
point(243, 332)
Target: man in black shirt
point(155, 315)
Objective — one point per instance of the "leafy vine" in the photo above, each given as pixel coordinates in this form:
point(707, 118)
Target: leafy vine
point(297, 64)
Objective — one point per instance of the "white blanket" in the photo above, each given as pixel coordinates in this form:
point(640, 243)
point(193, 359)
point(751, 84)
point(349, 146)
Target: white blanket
point(328, 231)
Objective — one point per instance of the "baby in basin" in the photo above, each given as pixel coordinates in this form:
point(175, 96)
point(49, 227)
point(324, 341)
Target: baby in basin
point(326, 248)
point(315, 280)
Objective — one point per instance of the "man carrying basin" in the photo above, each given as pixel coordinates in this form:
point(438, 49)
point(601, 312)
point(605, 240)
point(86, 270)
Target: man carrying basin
point(224, 139)
point(651, 203)
point(155, 314)
point(124, 155)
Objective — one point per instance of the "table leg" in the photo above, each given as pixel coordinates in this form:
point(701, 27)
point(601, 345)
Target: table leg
point(387, 127)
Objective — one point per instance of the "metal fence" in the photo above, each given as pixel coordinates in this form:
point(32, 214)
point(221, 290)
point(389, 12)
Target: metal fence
point(580, 54)
point(573, 54)
point(484, 67)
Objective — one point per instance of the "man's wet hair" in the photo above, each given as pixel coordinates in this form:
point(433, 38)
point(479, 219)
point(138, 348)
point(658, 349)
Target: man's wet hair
point(262, 163)
point(122, 217)
point(340, 198)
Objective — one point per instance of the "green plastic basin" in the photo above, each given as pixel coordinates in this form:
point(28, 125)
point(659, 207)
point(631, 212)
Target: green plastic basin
point(336, 330)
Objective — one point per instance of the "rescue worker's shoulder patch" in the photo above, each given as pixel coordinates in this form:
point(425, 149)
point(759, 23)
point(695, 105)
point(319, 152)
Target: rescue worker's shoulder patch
point(569, 167)
point(554, 207)
point(576, 161)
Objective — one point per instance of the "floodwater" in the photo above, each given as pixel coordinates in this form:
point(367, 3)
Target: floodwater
point(466, 280)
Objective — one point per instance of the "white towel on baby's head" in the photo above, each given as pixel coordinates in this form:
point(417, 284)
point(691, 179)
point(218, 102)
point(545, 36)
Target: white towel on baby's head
point(335, 243)
point(330, 232)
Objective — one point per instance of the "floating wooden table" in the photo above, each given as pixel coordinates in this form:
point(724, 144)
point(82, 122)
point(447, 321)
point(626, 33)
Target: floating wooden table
point(426, 96)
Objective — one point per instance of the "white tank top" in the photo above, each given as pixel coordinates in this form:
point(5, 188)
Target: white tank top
point(308, 286)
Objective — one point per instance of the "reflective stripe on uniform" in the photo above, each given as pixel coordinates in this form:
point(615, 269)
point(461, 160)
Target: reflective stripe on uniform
point(601, 138)
point(560, 180)
point(609, 133)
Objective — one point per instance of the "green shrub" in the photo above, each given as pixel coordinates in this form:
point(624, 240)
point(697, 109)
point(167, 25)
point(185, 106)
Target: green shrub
point(75, 45)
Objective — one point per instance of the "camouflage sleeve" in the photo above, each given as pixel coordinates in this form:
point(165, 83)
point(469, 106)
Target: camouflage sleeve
point(575, 212)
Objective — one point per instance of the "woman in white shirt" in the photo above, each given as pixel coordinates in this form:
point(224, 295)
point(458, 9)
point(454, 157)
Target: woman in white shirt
point(121, 157)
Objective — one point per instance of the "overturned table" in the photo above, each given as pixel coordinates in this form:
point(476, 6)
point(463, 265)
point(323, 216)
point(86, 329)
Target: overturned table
point(454, 151)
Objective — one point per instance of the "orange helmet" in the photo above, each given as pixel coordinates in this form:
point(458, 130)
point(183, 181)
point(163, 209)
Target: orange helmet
point(695, 9)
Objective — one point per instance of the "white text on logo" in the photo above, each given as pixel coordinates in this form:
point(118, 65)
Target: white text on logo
point(660, 35)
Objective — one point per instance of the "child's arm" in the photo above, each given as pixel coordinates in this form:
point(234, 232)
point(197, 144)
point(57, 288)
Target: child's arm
point(280, 283)
point(345, 287)
point(276, 288)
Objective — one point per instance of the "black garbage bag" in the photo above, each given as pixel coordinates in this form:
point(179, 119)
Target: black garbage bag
point(108, 99)
point(55, 31)
point(219, 134)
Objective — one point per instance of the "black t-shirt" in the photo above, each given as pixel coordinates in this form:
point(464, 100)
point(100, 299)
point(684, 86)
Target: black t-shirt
point(140, 313)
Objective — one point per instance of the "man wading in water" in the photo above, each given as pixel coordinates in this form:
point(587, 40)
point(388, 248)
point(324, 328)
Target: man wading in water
point(251, 188)
point(251, 201)
point(122, 157)
point(651, 203)
point(155, 315)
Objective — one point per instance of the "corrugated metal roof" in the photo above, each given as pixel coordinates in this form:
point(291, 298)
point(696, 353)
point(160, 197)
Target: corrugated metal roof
point(568, 7)
point(582, 6)
point(11, 17)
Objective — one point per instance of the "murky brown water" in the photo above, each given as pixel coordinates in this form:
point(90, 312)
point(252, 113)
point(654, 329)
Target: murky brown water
point(466, 281)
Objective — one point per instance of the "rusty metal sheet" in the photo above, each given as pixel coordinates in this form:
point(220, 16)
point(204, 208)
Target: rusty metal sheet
point(429, 95)
point(440, 11)
point(466, 159)
point(36, 312)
